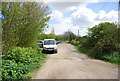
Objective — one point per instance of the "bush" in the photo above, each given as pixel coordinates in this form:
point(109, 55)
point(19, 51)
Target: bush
point(21, 55)
point(107, 45)
point(74, 42)
point(11, 70)
point(112, 57)
point(21, 61)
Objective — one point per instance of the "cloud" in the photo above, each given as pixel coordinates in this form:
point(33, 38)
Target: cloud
point(56, 14)
point(64, 7)
point(111, 16)
point(67, 5)
point(80, 19)
point(63, 24)
point(60, 28)
point(83, 17)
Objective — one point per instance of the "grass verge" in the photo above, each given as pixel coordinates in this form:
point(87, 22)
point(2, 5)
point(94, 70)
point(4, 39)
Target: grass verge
point(113, 57)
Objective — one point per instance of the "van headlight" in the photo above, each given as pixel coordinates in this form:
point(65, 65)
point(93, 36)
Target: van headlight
point(55, 47)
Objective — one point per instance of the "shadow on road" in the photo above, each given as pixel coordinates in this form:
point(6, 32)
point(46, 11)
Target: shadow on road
point(50, 52)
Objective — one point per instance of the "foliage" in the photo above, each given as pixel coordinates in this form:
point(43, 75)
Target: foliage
point(11, 70)
point(68, 36)
point(104, 39)
point(83, 49)
point(98, 32)
point(47, 36)
point(74, 42)
point(112, 57)
point(102, 42)
point(21, 61)
point(108, 44)
point(22, 24)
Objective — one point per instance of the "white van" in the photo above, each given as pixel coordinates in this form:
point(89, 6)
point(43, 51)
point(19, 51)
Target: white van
point(50, 45)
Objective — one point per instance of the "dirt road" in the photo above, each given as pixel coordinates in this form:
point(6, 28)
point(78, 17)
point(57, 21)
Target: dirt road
point(68, 63)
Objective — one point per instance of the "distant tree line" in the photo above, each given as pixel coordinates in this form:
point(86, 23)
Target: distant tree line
point(43, 36)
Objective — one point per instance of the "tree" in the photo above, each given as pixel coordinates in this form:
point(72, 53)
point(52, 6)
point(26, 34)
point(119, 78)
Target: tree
point(36, 22)
point(98, 32)
point(68, 35)
point(103, 39)
point(10, 25)
point(23, 22)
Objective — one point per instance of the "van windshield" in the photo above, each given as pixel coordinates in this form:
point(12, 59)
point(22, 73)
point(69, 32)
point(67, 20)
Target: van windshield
point(49, 42)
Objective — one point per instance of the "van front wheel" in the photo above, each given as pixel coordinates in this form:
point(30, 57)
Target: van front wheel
point(55, 51)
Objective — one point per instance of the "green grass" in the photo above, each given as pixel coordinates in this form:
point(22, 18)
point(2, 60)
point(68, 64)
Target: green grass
point(111, 57)
point(83, 50)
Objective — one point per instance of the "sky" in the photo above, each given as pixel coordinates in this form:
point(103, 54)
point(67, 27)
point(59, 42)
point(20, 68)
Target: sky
point(80, 15)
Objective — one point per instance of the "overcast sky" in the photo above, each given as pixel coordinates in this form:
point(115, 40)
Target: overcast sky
point(80, 15)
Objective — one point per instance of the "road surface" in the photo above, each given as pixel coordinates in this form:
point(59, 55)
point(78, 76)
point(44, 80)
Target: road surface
point(68, 63)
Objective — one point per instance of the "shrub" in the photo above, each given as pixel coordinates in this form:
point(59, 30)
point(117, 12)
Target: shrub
point(74, 42)
point(22, 55)
point(21, 61)
point(11, 70)
point(107, 45)
point(112, 57)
